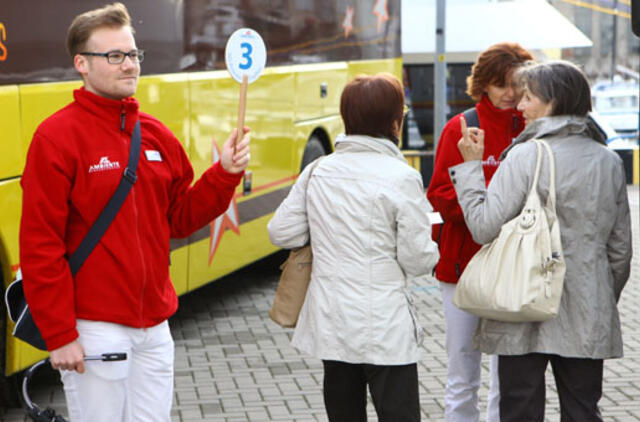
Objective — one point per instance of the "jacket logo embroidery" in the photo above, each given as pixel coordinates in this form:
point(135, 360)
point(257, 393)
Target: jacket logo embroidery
point(104, 165)
point(491, 162)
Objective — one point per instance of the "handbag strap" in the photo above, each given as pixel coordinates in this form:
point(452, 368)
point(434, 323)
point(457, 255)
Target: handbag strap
point(113, 206)
point(471, 116)
point(537, 172)
point(315, 164)
point(306, 187)
point(551, 198)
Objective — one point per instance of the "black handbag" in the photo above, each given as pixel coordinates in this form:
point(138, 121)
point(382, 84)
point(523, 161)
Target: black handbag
point(17, 306)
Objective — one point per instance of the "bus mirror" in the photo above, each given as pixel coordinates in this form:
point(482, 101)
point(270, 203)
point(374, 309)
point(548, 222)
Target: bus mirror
point(635, 17)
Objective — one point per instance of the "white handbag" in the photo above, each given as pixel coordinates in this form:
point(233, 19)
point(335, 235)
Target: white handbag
point(519, 275)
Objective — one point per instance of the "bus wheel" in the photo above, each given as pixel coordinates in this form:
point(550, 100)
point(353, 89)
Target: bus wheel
point(313, 150)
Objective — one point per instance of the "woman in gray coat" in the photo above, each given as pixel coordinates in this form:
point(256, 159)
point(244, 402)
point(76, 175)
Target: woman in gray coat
point(365, 211)
point(593, 212)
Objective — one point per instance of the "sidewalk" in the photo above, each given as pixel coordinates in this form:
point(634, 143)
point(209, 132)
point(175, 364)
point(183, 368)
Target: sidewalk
point(234, 364)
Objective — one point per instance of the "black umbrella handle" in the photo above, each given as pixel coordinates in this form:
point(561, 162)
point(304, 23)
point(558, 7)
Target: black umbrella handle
point(107, 357)
point(48, 414)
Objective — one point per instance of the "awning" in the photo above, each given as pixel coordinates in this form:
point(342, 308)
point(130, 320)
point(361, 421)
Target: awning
point(474, 25)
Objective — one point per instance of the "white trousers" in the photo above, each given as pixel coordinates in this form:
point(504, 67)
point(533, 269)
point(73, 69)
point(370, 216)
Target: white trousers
point(463, 368)
point(137, 389)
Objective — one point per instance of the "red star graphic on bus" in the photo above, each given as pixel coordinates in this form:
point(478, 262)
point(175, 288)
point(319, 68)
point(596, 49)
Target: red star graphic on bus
point(347, 23)
point(380, 10)
point(228, 220)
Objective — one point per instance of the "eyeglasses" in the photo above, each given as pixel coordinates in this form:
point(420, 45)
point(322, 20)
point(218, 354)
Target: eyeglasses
point(117, 56)
point(405, 110)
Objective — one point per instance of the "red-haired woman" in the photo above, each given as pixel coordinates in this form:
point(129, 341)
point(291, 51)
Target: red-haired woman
point(492, 85)
point(366, 214)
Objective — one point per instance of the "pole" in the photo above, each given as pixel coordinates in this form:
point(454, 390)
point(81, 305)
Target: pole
point(440, 76)
point(614, 39)
point(635, 27)
point(242, 105)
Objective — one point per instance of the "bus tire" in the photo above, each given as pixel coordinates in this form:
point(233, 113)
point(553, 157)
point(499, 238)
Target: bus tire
point(313, 150)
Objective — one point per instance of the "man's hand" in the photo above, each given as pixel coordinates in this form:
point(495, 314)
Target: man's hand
point(471, 145)
point(69, 357)
point(235, 163)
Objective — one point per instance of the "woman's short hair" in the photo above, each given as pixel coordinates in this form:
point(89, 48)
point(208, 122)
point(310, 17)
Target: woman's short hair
point(373, 105)
point(113, 15)
point(493, 66)
point(561, 83)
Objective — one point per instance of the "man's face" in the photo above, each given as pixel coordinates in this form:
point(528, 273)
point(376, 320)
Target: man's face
point(115, 81)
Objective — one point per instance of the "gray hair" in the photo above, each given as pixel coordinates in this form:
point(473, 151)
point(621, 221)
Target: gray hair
point(561, 83)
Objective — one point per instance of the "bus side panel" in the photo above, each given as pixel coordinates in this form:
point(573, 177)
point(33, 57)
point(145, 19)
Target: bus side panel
point(239, 236)
point(318, 89)
point(11, 159)
point(11, 163)
point(39, 101)
point(166, 97)
point(18, 354)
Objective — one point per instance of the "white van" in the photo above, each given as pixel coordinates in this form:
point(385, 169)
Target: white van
point(617, 104)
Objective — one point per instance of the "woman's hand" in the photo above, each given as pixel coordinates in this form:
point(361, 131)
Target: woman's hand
point(471, 145)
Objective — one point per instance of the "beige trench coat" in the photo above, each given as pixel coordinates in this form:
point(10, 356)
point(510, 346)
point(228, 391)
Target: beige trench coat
point(366, 212)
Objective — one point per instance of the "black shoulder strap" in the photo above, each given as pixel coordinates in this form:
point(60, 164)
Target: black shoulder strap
point(113, 206)
point(471, 116)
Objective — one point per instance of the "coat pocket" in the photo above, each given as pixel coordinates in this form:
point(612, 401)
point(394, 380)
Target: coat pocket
point(102, 337)
point(417, 328)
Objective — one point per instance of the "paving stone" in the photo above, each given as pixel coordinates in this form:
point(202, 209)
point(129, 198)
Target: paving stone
point(233, 363)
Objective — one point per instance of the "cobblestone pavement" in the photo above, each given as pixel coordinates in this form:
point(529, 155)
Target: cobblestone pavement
point(234, 364)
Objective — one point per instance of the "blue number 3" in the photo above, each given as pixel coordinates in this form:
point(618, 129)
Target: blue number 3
point(246, 55)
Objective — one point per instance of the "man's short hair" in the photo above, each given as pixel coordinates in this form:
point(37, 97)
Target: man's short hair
point(493, 66)
point(561, 83)
point(113, 15)
point(370, 105)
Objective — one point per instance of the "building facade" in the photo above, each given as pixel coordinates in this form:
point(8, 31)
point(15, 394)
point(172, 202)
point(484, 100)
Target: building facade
point(617, 49)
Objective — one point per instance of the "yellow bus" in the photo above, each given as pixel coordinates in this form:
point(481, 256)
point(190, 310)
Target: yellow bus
point(313, 48)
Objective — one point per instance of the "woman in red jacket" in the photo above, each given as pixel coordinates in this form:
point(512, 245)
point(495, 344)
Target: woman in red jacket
point(491, 84)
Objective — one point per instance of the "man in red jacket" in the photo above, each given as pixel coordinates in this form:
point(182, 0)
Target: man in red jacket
point(122, 296)
point(491, 84)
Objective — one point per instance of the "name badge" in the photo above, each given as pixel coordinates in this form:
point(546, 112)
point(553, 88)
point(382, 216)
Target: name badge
point(153, 155)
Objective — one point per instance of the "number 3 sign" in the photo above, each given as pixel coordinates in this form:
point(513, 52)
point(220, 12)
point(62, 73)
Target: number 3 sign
point(245, 56)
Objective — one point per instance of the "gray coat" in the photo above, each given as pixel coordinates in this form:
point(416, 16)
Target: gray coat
point(595, 228)
point(366, 213)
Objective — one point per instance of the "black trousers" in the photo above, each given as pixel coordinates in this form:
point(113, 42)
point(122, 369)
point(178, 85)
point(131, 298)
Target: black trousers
point(394, 391)
point(522, 387)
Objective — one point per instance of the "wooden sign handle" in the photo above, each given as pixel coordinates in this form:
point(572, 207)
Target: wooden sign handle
point(242, 105)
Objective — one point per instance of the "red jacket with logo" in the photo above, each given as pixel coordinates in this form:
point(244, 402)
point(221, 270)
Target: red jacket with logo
point(74, 164)
point(454, 239)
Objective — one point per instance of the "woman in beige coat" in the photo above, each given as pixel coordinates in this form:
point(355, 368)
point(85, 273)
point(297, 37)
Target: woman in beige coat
point(366, 214)
point(593, 213)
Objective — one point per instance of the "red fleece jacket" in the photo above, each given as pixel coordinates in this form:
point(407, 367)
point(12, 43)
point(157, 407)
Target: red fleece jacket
point(454, 239)
point(74, 164)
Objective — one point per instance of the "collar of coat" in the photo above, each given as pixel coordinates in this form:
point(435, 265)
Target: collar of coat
point(363, 143)
point(559, 126)
point(111, 111)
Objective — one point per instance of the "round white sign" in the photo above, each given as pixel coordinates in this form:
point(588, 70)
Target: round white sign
point(245, 54)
